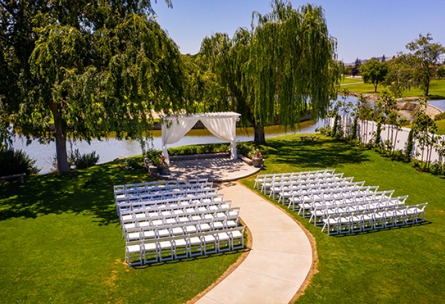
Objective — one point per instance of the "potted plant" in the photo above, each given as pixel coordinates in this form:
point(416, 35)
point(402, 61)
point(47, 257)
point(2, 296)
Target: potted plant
point(257, 158)
point(162, 166)
point(156, 159)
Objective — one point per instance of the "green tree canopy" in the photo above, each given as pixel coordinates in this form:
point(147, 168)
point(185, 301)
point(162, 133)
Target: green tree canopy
point(281, 68)
point(87, 68)
point(374, 71)
point(427, 55)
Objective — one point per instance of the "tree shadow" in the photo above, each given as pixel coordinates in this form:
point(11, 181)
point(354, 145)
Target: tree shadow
point(86, 192)
point(322, 153)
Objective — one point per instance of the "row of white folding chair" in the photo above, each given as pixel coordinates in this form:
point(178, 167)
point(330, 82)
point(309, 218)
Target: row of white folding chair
point(285, 195)
point(173, 182)
point(202, 206)
point(265, 182)
point(368, 194)
point(167, 195)
point(128, 205)
point(305, 201)
point(361, 198)
point(276, 186)
point(169, 248)
point(322, 211)
point(261, 178)
point(267, 185)
point(172, 203)
point(377, 219)
point(321, 184)
point(144, 191)
point(197, 226)
point(150, 222)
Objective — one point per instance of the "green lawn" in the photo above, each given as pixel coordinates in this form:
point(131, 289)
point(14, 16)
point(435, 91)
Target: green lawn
point(393, 265)
point(437, 88)
point(60, 240)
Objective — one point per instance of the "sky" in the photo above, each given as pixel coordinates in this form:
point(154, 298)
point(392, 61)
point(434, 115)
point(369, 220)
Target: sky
point(363, 28)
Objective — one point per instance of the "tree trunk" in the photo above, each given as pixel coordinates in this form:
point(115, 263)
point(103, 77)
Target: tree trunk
point(59, 133)
point(259, 138)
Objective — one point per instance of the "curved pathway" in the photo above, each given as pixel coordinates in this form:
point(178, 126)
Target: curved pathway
point(280, 257)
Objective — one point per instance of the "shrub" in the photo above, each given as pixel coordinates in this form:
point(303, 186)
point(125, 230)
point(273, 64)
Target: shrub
point(199, 149)
point(440, 116)
point(83, 161)
point(15, 162)
point(154, 156)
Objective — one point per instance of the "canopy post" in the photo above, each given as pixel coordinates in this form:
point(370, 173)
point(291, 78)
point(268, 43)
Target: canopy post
point(233, 151)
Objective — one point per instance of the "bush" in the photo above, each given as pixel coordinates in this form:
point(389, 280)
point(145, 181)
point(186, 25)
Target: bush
point(440, 116)
point(83, 161)
point(16, 162)
point(154, 156)
point(199, 149)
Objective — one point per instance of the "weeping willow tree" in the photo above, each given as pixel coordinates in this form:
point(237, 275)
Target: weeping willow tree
point(80, 70)
point(280, 69)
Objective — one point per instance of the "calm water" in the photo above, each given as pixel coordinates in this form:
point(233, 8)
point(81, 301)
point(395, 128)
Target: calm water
point(110, 149)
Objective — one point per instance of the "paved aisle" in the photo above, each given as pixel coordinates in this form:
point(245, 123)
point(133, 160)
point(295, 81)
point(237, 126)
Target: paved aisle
point(280, 258)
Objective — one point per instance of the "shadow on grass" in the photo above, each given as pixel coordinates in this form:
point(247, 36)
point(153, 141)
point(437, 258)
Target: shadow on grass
point(191, 259)
point(380, 230)
point(86, 192)
point(322, 153)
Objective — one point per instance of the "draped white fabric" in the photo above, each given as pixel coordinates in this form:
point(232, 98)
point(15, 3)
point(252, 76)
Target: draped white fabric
point(224, 128)
point(222, 125)
point(173, 129)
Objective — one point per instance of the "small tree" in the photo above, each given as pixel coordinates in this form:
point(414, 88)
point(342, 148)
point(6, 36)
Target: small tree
point(424, 131)
point(356, 68)
point(400, 76)
point(428, 55)
point(374, 71)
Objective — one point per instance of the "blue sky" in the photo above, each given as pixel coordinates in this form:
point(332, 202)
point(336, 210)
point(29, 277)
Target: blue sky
point(363, 28)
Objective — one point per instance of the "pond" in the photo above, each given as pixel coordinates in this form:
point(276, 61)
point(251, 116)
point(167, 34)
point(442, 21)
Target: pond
point(111, 148)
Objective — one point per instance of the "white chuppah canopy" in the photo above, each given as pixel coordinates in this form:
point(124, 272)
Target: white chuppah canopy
point(220, 124)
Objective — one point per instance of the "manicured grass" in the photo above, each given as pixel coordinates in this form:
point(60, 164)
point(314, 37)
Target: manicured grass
point(441, 127)
point(394, 265)
point(437, 88)
point(61, 242)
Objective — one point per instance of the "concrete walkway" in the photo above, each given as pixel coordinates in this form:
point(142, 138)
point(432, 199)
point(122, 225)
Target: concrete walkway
point(279, 261)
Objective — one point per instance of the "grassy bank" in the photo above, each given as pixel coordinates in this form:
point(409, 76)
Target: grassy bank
point(437, 88)
point(387, 266)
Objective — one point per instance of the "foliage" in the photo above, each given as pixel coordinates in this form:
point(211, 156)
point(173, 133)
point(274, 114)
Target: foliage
point(268, 74)
point(86, 70)
point(400, 76)
point(427, 55)
point(374, 71)
point(199, 149)
point(409, 146)
point(83, 161)
point(16, 162)
point(356, 69)
point(154, 155)
point(424, 131)
point(439, 116)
